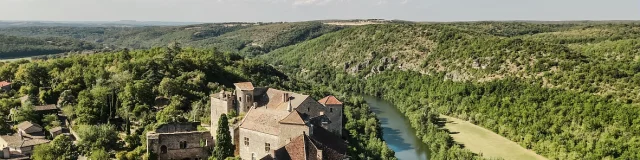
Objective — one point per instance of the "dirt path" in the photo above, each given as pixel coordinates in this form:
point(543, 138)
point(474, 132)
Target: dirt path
point(481, 140)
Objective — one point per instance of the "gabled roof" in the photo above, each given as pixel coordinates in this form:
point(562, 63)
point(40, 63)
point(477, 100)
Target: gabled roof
point(56, 129)
point(248, 86)
point(26, 125)
point(4, 83)
point(329, 100)
point(293, 118)
point(15, 141)
point(304, 147)
point(45, 107)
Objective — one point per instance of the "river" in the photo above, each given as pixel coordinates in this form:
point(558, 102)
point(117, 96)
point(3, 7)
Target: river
point(397, 131)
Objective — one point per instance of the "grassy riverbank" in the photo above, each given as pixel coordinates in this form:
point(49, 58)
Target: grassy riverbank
point(485, 142)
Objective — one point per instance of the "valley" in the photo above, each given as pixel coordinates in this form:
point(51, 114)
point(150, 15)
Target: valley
point(515, 90)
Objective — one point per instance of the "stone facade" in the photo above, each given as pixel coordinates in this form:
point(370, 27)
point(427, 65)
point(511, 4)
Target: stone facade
point(273, 117)
point(180, 141)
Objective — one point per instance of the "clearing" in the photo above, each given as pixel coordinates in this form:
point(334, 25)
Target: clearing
point(483, 141)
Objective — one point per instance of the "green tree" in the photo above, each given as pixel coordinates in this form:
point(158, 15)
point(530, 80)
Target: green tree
point(224, 147)
point(97, 137)
point(99, 154)
point(32, 74)
point(25, 113)
point(61, 148)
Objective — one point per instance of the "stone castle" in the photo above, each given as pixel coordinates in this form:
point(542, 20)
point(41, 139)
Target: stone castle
point(271, 121)
point(265, 123)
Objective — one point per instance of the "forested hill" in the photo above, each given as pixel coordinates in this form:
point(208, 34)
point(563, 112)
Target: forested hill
point(565, 90)
point(13, 46)
point(243, 38)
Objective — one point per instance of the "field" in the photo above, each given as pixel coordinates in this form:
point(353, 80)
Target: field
point(483, 141)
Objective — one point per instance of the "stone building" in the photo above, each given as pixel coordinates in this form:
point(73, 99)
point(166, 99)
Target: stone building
point(320, 144)
point(180, 141)
point(272, 118)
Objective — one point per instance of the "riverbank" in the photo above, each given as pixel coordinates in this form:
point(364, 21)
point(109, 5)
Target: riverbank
point(483, 141)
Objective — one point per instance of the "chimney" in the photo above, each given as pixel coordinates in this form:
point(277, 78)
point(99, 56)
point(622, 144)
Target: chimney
point(285, 97)
point(319, 154)
point(5, 153)
point(289, 107)
point(20, 134)
point(310, 129)
point(255, 104)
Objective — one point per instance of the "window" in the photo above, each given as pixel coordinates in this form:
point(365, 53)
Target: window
point(267, 147)
point(331, 110)
point(253, 156)
point(308, 109)
point(163, 149)
point(246, 141)
point(239, 97)
point(183, 144)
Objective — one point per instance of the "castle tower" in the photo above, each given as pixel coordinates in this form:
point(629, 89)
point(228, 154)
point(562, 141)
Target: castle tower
point(244, 93)
point(334, 112)
point(221, 103)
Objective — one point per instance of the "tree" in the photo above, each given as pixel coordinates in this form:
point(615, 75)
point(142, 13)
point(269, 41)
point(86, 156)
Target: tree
point(25, 113)
point(32, 74)
point(99, 154)
point(61, 148)
point(223, 148)
point(94, 137)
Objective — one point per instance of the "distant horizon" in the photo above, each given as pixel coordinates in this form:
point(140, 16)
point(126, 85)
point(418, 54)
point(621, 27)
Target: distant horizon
point(196, 22)
point(218, 11)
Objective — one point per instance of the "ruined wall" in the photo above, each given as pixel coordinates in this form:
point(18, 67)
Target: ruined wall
point(177, 127)
point(218, 107)
point(198, 144)
point(256, 145)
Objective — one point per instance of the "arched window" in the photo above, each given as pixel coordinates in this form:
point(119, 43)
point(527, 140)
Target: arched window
point(163, 149)
point(253, 156)
point(183, 144)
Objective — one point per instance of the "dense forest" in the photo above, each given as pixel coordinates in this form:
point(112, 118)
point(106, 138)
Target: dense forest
point(567, 91)
point(247, 39)
point(109, 97)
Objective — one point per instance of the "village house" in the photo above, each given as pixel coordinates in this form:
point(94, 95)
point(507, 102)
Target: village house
point(273, 118)
point(5, 86)
point(22, 143)
point(179, 141)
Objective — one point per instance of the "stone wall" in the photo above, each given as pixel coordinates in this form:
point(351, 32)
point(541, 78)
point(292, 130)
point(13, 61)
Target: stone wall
point(256, 145)
point(198, 145)
point(218, 107)
point(245, 100)
point(336, 118)
point(289, 132)
point(177, 127)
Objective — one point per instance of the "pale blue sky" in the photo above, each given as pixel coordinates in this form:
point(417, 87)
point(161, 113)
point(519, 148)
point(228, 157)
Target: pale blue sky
point(300, 10)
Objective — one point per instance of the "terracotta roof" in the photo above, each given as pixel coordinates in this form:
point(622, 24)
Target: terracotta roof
point(26, 125)
point(45, 107)
point(304, 147)
point(271, 110)
point(244, 85)
point(4, 83)
point(293, 118)
point(330, 100)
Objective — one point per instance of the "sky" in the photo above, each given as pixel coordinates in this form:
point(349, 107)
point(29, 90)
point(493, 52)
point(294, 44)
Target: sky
point(304, 10)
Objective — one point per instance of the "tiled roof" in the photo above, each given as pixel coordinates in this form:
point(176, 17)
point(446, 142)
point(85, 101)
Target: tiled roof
point(4, 83)
point(26, 125)
point(45, 107)
point(244, 85)
point(304, 147)
point(15, 141)
point(329, 142)
point(271, 110)
point(293, 118)
point(56, 129)
point(330, 100)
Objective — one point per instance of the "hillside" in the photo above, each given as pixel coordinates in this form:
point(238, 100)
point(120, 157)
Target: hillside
point(14, 46)
point(243, 38)
point(567, 91)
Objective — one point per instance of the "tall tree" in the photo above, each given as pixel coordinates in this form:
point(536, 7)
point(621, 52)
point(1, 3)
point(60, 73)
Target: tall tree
point(223, 148)
point(61, 148)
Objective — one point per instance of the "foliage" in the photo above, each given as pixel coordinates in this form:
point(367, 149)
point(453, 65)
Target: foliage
point(97, 137)
point(224, 147)
point(61, 148)
point(99, 154)
point(25, 113)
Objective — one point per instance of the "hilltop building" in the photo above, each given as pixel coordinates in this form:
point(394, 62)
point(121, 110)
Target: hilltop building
point(274, 119)
point(179, 141)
